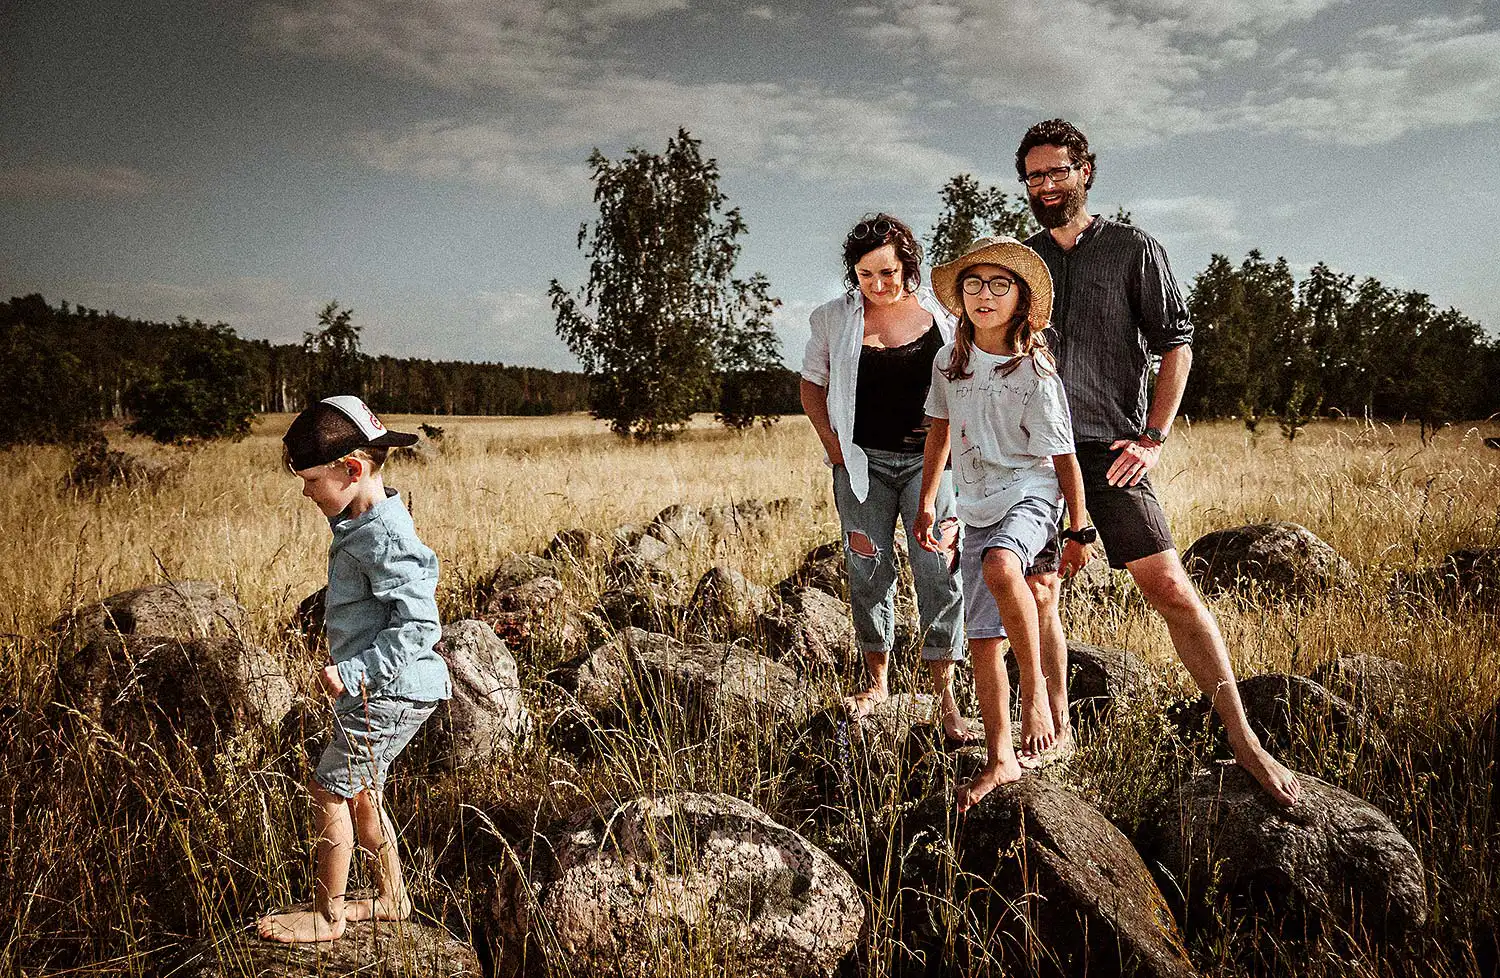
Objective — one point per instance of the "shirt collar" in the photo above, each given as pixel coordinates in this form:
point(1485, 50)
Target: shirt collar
point(342, 524)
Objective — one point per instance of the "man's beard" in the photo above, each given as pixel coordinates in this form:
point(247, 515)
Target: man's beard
point(1074, 200)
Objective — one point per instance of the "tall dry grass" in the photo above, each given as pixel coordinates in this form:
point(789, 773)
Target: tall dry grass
point(130, 856)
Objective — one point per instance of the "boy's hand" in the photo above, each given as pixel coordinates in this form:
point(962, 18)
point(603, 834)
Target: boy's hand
point(328, 678)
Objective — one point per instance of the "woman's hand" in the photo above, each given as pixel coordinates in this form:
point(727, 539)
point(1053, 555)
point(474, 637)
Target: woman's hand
point(922, 530)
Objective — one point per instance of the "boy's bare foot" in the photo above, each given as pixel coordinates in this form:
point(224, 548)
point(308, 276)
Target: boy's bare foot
point(299, 927)
point(1037, 732)
point(1275, 778)
point(376, 908)
point(993, 776)
point(863, 703)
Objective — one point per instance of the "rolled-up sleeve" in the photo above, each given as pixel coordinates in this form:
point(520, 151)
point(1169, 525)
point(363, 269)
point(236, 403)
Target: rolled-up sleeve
point(815, 359)
point(404, 580)
point(1164, 319)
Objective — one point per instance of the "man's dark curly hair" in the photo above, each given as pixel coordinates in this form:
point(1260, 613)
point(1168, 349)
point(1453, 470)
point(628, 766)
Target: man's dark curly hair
point(1057, 132)
point(875, 231)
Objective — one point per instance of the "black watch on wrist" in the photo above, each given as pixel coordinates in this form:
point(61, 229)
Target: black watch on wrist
point(1155, 434)
point(1084, 535)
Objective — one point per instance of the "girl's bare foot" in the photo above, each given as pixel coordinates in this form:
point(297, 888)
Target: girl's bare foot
point(1037, 732)
point(300, 927)
point(993, 776)
point(376, 908)
point(863, 703)
point(1275, 778)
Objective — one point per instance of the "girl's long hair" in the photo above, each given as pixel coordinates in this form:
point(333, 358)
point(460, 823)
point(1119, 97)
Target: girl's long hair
point(1020, 336)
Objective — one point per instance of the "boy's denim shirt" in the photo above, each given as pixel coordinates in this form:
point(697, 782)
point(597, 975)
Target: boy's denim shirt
point(382, 616)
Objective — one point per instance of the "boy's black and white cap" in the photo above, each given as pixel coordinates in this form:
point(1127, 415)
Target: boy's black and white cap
point(334, 427)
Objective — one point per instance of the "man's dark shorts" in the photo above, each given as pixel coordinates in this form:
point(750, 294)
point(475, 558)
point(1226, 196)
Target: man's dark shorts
point(1131, 522)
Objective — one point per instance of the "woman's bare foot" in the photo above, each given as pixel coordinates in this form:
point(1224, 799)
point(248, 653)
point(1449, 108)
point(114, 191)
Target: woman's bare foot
point(993, 776)
point(956, 729)
point(863, 703)
point(376, 908)
point(1037, 732)
point(1275, 778)
point(299, 927)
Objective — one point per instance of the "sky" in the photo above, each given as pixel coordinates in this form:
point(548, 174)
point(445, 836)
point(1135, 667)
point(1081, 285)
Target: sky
point(424, 162)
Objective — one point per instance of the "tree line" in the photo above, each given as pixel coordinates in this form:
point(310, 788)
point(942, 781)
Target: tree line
point(64, 369)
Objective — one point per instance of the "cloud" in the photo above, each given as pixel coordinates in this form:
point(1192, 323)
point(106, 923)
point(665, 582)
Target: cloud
point(1227, 16)
point(73, 181)
point(514, 326)
point(1425, 74)
point(1191, 224)
point(455, 44)
point(260, 308)
point(490, 153)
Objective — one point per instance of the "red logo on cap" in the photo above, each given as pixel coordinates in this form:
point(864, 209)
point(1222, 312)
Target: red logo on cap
point(374, 421)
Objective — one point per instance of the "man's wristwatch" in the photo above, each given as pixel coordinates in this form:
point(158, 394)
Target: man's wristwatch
point(1154, 434)
point(1084, 535)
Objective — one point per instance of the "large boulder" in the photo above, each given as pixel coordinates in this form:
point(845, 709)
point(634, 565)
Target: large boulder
point(673, 877)
point(1329, 854)
point(678, 524)
point(1280, 557)
point(646, 602)
point(366, 949)
point(485, 719)
point(1033, 880)
point(214, 695)
point(700, 687)
point(811, 627)
point(578, 546)
point(184, 609)
point(822, 568)
point(1290, 714)
point(724, 595)
point(1374, 684)
point(1462, 576)
point(1097, 677)
point(516, 570)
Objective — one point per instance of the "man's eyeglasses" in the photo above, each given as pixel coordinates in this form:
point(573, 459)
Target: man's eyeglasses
point(998, 286)
point(872, 229)
point(1057, 175)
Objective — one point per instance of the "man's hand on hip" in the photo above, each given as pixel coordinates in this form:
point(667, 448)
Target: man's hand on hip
point(1138, 457)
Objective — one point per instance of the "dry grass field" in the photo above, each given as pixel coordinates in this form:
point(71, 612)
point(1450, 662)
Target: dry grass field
point(80, 889)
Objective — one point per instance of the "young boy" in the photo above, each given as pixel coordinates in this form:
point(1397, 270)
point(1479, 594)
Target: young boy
point(382, 623)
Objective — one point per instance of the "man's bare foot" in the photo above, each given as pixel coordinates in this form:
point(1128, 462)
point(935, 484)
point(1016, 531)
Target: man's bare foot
point(863, 703)
point(1037, 732)
point(993, 776)
point(376, 908)
point(1275, 778)
point(299, 927)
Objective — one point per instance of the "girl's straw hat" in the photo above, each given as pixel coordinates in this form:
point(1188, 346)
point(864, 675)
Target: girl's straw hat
point(1010, 253)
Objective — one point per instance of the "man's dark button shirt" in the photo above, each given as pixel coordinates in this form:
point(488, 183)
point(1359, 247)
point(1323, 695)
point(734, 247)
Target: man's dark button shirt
point(1115, 305)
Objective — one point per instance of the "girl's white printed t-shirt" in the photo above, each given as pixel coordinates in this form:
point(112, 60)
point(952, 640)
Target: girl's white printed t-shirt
point(1002, 431)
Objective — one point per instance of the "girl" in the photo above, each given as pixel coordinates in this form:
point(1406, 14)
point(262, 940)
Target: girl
point(997, 405)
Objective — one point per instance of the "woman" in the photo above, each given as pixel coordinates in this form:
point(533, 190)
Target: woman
point(864, 386)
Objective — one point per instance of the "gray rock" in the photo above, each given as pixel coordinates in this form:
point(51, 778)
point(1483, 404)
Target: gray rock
point(1033, 880)
point(626, 535)
point(811, 627)
point(1289, 714)
point(577, 546)
point(725, 595)
point(183, 609)
point(644, 603)
point(706, 876)
point(1097, 677)
point(218, 696)
point(1372, 683)
point(897, 751)
point(1282, 558)
point(822, 568)
point(486, 718)
point(1331, 853)
point(307, 625)
point(516, 570)
point(678, 524)
point(703, 687)
point(644, 559)
point(525, 612)
point(366, 949)
point(1462, 576)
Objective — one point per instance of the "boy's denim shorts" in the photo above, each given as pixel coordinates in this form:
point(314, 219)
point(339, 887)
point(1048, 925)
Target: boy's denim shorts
point(365, 742)
point(1024, 530)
